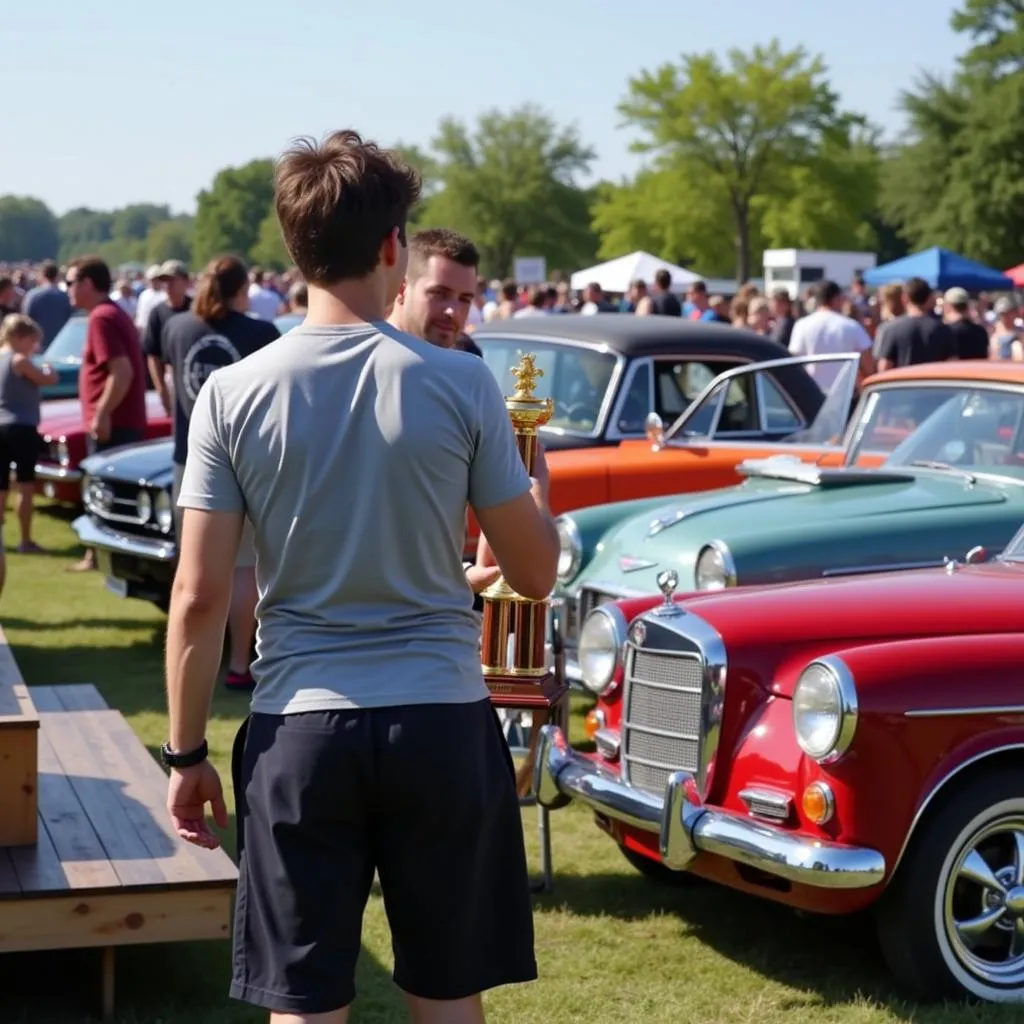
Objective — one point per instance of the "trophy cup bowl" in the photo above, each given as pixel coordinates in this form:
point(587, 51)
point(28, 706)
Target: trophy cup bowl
point(514, 630)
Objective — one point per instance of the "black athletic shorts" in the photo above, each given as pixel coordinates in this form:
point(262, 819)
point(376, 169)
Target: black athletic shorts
point(21, 445)
point(425, 795)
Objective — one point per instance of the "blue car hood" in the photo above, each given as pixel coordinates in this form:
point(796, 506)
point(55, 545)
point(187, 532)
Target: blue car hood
point(149, 462)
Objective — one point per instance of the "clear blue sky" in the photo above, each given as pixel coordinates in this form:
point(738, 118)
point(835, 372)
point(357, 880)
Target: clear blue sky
point(109, 104)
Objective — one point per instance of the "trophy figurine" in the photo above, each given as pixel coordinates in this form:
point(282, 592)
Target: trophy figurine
point(514, 628)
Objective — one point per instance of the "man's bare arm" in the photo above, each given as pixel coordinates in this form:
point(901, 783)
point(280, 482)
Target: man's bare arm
point(119, 379)
point(157, 374)
point(200, 596)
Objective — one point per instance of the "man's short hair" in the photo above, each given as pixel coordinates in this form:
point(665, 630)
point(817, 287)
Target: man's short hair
point(509, 292)
point(95, 269)
point(698, 286)
point(49, 270)
point(826, 292)
point(663, 279)
point(443, 242)
point(781, 294)
point(918, 291)
point(337, 201)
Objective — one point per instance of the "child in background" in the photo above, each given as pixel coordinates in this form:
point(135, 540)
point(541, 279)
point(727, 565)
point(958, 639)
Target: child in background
point(20, 402)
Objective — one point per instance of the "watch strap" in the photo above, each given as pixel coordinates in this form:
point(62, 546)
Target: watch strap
point(185, 759)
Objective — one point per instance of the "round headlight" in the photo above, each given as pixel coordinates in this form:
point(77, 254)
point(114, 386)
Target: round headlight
point(164, 512)
point(144, 506)
point(62, 453)
point(570, 549)
point(600, 647)
point(825, 709)
point(715, 568)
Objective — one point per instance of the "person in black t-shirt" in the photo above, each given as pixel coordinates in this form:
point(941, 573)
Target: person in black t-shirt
point(173, 275)
point(917, 337)
point(971, 338)
point(214, 333)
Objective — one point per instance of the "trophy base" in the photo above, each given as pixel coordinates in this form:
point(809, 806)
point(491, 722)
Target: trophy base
point(509, 691)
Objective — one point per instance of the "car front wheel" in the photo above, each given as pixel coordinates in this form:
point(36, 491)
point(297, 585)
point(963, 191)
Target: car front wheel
point(952, 922)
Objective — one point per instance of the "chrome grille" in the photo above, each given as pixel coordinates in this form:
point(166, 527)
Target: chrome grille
point(114, 501)
point(662, 717)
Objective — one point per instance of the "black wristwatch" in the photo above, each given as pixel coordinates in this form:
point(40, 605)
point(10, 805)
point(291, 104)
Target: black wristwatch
point(173, 759)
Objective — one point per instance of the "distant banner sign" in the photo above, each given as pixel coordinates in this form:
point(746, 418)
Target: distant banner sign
point(531, 270)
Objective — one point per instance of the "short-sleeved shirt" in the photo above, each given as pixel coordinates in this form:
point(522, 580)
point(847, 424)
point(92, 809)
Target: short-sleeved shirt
point(110, 334)
point(911, 340)
point(826, 332)
point(970, 339)
point(49, 307)
point(355, 451)
point(195, 348)
point(152, 344)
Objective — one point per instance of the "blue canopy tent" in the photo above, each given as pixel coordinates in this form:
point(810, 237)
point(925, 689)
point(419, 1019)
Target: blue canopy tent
point(942, 269)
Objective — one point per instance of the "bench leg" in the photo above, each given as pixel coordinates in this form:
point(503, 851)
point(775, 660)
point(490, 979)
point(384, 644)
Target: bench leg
point(108, 982)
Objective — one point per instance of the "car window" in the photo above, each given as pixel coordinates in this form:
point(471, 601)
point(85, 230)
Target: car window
point(575, 377)
point(959, 426)
point(69, 341)
point(779, 415)
point(739, 412)
point(677, 383)
point(637, 401)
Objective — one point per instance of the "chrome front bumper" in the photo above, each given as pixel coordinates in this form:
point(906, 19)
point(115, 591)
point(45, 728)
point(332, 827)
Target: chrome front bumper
point(58, 474)
point(687, 827)
point(111, 539)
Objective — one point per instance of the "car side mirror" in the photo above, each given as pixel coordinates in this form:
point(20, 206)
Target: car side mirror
point(975, 555)
point(655, 429)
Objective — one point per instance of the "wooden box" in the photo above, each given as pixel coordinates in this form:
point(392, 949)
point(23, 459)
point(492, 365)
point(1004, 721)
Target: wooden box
point(19, 755)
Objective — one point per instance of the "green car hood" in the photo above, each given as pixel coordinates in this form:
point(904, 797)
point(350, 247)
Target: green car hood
point(786, 529)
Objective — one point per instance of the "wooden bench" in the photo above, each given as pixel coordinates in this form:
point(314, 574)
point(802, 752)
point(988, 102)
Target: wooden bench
point(106, 869)
point(19, 737)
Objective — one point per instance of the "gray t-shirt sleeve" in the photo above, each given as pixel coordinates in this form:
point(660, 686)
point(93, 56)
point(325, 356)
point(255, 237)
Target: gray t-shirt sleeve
point(209, 482)
point(496, 472)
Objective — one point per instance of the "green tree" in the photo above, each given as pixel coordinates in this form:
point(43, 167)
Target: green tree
point(511, 185)
point(230, 213)
point(28, 229)
point(270, 250)
point(427, 166)
point(136, 220)
point(83, 230)
point(958, 179)
point(744, 128)
point(169, 240)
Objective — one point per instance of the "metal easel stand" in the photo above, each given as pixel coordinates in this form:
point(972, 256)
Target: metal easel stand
point(517, 724)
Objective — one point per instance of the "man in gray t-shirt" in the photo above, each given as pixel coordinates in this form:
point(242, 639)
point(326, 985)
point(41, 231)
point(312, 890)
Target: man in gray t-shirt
point(354, 449)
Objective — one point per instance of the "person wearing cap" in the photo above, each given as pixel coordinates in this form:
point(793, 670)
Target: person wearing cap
point(173, 276)
point(150, 297)
point(1005, 343)
point(971, 338)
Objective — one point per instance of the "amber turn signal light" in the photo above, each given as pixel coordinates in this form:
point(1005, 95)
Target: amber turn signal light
point(593, 722)
point(818, 803)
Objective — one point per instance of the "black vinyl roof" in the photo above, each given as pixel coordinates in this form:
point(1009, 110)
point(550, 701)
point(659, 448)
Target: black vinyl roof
point(636, 335)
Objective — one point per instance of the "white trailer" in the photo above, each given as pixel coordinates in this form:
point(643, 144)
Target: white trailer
point(797, 269)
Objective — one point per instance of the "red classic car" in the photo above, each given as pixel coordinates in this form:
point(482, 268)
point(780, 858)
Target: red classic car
point(832, 745)
point(63, 434)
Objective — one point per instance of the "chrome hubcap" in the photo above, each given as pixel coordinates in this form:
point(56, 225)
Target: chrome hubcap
point(984, 904)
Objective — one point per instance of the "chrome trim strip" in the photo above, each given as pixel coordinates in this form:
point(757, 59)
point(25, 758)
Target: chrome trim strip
point(688, 827)
point(992, 709)
point(48, 471)
point(863, 570)
point(762, 405)
point(95, 536)
point(609, 743)
point(940, 785)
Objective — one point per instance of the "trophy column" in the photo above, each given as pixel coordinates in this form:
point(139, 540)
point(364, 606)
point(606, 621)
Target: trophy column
point(512, 644)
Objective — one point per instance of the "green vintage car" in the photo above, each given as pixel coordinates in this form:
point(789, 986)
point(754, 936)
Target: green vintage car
point(947, 441)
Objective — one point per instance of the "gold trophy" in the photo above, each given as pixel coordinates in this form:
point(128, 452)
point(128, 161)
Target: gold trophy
point(514, 628)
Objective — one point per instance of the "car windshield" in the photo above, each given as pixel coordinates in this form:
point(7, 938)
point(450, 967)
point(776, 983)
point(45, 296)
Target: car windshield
point(943, 427)
point(69, 341)
point(576, 378)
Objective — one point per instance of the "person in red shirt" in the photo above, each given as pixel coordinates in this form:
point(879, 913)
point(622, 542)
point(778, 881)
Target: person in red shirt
point(112, 378)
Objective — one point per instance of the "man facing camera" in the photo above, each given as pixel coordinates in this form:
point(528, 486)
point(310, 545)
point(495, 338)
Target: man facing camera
point(435, 299)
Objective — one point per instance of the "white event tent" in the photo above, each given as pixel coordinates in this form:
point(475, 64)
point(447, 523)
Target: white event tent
point(618, 274)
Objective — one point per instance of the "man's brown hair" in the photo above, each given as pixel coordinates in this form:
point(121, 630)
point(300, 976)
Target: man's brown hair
point(337, 201)
point(440, 242)
point(95, 269)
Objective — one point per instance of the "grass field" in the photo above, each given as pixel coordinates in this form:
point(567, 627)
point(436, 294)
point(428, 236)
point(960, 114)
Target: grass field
point(611, 946)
